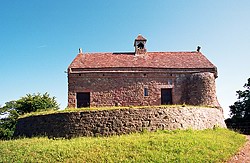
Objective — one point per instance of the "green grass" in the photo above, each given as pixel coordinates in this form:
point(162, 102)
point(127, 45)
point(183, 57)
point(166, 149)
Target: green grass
point(215, 145)
point(67, 110)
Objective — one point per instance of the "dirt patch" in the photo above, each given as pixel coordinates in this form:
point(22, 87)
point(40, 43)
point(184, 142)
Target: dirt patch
point(243, 155)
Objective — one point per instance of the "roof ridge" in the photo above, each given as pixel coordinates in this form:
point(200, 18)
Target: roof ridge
point(173, 52)
point(131, 52)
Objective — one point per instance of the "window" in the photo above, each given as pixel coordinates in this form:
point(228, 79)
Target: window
point(170, 82)
point(140, 46)
point(145, 91)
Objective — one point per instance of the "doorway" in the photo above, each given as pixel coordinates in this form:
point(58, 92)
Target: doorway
point(83, 99)
point(166, 96)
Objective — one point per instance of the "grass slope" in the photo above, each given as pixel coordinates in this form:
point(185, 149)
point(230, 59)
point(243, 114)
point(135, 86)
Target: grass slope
point(69, 110)
point(162, 146)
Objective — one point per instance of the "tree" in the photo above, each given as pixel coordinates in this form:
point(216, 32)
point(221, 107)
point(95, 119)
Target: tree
point(36, 102)
point(29, 103)
point(241, 108)
point(7, 125)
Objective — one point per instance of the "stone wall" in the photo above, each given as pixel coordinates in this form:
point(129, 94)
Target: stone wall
point(115, 122)
point(126, 88)
point(199, 89)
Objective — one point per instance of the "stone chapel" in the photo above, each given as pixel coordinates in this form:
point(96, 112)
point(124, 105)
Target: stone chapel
point(141, 78)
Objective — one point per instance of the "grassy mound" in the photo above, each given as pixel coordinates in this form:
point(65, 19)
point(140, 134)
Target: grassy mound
point(162, 146)
point(69, 110)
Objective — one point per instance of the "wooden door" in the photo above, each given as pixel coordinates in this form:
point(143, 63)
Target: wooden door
point(83, 99)
point(166, 96)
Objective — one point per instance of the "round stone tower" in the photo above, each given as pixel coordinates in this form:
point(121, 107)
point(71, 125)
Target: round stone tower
point(200, 89)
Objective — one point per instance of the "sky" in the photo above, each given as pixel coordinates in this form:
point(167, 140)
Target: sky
point(39, 39)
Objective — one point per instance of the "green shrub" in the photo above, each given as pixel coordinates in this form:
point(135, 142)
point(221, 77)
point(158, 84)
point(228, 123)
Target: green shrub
point(29, 103)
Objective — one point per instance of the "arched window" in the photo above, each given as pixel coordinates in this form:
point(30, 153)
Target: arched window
point(140, 45)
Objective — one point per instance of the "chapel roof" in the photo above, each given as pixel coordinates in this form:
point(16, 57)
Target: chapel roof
point(178, 60)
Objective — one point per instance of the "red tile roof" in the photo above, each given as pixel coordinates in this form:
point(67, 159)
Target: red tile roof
point(148, 60)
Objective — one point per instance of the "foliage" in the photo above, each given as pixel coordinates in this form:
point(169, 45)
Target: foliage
point(35, 102)
point(213, 145)
point(29, 103)
point(7, 125)
point(241, 108)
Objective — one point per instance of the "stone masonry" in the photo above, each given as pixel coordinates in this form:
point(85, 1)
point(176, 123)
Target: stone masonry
point(116, 122)
point(126, 89)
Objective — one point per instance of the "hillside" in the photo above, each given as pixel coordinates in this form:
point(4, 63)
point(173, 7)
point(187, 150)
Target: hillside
point(213, 145)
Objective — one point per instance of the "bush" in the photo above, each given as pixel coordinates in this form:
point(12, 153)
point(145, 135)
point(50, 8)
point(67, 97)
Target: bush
point(36, 102)
point(29, 103)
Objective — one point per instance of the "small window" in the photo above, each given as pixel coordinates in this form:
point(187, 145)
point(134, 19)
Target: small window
point(170, 82)
point(145, 91)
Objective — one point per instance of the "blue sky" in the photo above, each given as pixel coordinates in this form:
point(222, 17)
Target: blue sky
point(39, 39)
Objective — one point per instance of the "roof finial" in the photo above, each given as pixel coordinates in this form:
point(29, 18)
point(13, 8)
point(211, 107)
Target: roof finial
point(80, 50)
point(198, 48)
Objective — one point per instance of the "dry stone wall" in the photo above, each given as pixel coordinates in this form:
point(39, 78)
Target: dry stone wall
point(116, 122)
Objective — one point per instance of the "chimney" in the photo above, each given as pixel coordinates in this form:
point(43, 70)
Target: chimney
point(80, 50)
point(198, 48)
